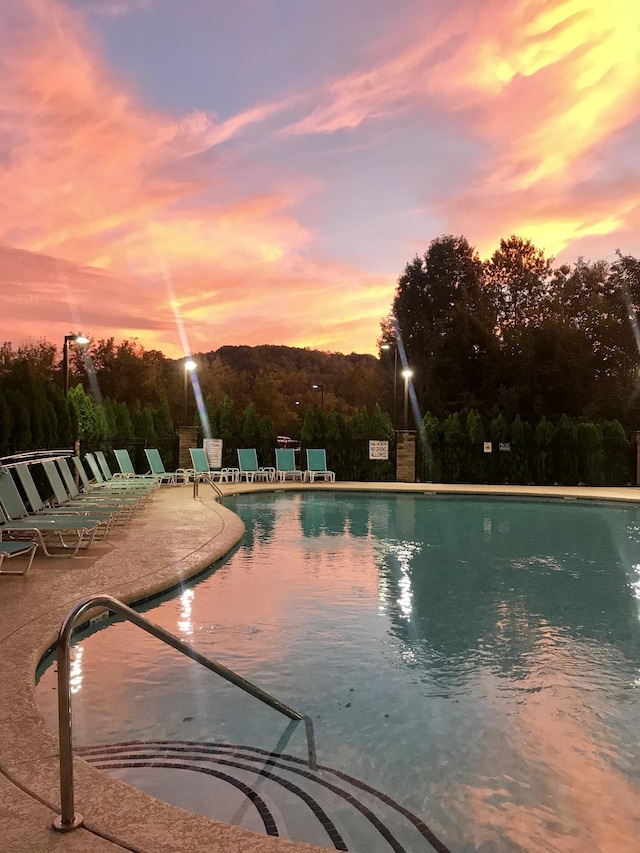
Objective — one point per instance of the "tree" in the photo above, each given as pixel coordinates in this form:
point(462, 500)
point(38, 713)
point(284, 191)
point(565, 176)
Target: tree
point(433, 440)
point(226, 419)
point(359, 426)
point(380, 426)
point(110, 417)
point(124, 426)
point(92, 424)
point(590, 454)
point(453, 436)
point(542, 437)
point(616, 454)
point(313, 427)
point(476, 465)
point(444, 324)
point(563, 450)
point(20, 436)
point(250, 430)
point(162, 420)
point(516, 277)
point(6, 423)
point(142, 421)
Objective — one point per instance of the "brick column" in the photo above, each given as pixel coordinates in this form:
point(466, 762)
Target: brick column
point(187, 437)
point(406, 456)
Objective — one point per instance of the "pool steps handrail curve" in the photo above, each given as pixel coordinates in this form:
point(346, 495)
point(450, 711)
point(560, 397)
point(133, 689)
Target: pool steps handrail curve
point(216, 488)
point(68, 819)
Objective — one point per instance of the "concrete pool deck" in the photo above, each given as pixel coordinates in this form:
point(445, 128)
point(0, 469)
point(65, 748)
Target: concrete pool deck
point(172, 539)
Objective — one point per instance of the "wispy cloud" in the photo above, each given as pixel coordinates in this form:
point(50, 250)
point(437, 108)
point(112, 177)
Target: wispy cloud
point(121, 209)
point(93, 177)
point(544, 85)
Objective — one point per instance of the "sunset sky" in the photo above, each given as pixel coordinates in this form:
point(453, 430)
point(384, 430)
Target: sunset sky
point(195, 173)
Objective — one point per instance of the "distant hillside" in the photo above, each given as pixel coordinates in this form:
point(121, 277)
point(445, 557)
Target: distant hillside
point(352, 380)
point(281, 358)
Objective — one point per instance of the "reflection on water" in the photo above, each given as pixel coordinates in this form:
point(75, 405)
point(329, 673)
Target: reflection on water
point(479, 661)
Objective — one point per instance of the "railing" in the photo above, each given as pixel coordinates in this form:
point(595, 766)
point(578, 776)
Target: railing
point(69, 819)
point(34, 456)
point(197, 480)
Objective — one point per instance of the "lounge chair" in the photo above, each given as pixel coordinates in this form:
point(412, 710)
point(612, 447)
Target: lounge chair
point(286, 465)
point(18, 524)
point(203, 473)
point(248, 465)
point(122, 507)
point(317, 466)
point(157, 468)
point(141, 489)
point(17, 549)
point(37, 507)
point(129, 501)
point(128, 472)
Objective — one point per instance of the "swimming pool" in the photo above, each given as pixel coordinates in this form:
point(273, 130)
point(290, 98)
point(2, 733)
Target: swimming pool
point(476, 661)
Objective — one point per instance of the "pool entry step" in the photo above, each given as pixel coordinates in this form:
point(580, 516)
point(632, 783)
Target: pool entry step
point(275, 794)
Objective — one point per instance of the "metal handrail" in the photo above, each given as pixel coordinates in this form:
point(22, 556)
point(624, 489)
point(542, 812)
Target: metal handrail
point(69, 819)
point(206, 479)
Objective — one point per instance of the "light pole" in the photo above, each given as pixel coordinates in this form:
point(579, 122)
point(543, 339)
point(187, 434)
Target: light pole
point(189, 367)
point(321, 387)
point(78, 339)
point(395, 379)
point(407, 373)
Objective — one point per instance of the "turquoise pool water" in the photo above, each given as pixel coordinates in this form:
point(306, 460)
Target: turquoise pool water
point(477, 661)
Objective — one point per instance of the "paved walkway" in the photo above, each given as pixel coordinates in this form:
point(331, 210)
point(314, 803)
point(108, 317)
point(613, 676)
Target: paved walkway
point(172, 539)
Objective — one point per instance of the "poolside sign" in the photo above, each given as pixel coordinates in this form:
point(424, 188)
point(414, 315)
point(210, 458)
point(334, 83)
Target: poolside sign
point(213, 449)
point(379, 450)
point(488, 447)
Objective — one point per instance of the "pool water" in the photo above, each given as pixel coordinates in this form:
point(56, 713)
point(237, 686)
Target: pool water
point(477, 661)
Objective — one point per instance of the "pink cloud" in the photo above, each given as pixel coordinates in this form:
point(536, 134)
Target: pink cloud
point(92, 179)
point(543, 86)
point(127, 217)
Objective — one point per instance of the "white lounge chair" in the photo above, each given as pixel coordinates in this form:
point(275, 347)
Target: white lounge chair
point(248, 465)
point(286, 465)
point(317, 466)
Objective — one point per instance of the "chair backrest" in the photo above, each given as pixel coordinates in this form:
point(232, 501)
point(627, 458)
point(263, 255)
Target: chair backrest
point(247, 459)
point(55, 481)
point(84, 479)
point(155, 460)
point(67, 476)
point(199, 460)
point(95, 470)
point(12, 503)
point(104, 465)
point(316, 460)
point(285, 459)
point(29, 487)
point(124, 461)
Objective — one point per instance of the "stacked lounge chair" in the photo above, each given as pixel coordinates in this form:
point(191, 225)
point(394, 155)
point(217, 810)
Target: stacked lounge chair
point(66, 533)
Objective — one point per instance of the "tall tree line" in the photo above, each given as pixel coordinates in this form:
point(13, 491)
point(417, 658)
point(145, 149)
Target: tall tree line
point(514, 335)
point(249, 394)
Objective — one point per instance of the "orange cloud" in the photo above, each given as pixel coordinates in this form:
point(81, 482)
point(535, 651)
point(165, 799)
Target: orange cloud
point(116, 190)
point(544, 86)
point(154, 213)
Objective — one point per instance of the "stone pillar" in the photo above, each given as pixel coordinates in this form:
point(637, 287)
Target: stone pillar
point(187, 437)
point(406, 456)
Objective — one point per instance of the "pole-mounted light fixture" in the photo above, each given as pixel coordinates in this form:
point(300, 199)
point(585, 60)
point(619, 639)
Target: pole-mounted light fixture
point(189, 366)
point(395, 379)
point(78, 339)
point(320, 387)
point(407, 373)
